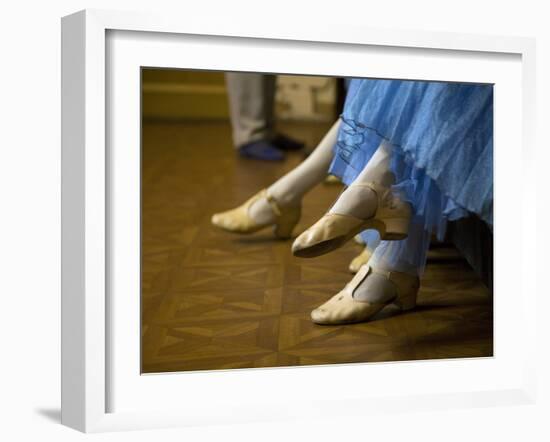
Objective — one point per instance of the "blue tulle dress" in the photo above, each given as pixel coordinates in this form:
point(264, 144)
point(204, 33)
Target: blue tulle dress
point(442, 151)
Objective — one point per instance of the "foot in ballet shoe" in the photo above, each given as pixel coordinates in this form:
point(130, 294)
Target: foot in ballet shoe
point(391, 219)
point(343, 308)
point(360, 260)
point(238, 220)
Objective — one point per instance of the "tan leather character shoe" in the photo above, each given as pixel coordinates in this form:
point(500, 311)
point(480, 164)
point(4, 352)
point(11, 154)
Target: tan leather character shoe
point(391, 220)
point(344, 309)
point(238, 220)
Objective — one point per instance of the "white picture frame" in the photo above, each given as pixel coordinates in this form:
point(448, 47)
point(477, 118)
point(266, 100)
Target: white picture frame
point(91, 353)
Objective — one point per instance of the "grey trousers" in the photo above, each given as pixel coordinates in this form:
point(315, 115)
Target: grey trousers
point(251, 102)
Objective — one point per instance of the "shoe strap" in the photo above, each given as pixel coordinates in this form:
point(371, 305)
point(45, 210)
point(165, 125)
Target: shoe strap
point(273, 204)
point(376, 188)
point(384, 194)
point(364, 272)
point(392, 277)
point(359, 277)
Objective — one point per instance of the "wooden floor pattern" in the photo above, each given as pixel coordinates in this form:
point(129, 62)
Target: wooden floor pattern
point(213, 300)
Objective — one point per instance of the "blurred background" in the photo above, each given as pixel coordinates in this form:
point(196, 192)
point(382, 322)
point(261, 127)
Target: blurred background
point(199, 95)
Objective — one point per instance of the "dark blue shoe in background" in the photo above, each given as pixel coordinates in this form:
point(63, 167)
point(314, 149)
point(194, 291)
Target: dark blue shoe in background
point(284, 142)
point(261, 150)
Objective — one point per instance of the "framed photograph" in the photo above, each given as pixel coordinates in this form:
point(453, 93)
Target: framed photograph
point(255, 218)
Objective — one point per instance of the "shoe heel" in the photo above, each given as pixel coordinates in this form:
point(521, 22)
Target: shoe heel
point(407, 301)
point(285, 225)
point(396, 228)
point(284, 230)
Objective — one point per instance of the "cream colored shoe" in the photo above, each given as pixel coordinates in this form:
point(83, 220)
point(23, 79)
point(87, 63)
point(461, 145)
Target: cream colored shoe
point(238, 220)
point(391, 220)
point(360, 260)
point(331, 179)
point(344, 309)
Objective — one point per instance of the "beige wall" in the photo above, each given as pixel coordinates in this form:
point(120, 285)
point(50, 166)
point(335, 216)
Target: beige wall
point(305, 98)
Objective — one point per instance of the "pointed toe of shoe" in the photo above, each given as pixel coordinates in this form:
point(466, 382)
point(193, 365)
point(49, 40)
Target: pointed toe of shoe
point(327, 234)
point(221, 220)
point(216, 219)
point(229, 221)
point(311, 243)
point(320, 316)
point(299, 243)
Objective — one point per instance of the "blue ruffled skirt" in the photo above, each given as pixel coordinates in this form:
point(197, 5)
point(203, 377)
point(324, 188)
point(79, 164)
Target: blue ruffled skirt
point(442, 139)
point(442, 145)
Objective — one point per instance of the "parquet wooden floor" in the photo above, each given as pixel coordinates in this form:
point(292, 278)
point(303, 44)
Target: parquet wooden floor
point(213, 300)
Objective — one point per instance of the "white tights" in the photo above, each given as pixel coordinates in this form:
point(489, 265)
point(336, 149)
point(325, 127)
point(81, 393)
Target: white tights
point(360, 201)
point(291, 188)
